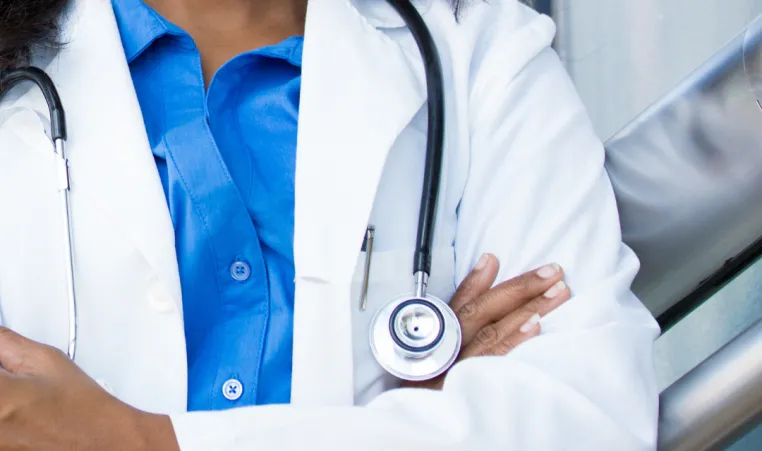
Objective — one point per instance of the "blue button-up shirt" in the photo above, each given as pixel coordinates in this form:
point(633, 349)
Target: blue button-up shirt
point(226, 158)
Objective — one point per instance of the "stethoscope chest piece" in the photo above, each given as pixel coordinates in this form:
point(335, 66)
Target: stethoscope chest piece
point(415, 338)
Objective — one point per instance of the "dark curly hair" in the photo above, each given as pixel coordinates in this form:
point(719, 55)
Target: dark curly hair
point(29, 24)
point(25, 25)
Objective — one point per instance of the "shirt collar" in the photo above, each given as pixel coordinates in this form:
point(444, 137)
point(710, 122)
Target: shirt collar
point(139, 26)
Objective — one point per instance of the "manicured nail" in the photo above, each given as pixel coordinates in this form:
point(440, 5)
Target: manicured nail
point(546, 272)
point(529, 325)
point(482, 263)
point(555, 290)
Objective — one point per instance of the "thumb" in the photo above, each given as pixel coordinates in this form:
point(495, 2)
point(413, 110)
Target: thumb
point(22, 356)
point(477, 282)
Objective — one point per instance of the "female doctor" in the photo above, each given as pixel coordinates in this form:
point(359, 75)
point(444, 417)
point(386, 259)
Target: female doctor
point(220, 265)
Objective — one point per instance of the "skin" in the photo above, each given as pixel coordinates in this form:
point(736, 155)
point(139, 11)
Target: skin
point(47, 402)
point(223, 29)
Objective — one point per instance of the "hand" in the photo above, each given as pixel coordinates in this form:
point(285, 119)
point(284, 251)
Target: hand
point(496, 320)
point(47, 402)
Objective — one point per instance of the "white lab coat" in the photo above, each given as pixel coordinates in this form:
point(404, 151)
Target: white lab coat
point(523, 178)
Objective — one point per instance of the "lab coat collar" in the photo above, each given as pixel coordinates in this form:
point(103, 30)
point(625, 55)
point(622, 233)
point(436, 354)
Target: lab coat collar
point(382, 15)
point(111, 165)
point(360, 90)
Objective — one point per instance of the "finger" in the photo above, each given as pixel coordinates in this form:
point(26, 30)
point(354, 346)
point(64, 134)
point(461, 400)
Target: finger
point(520, 320)
point(506, 297)
point(477, 282)
point(538, 307)
point(516, 339)
point(530, 329)
point(20, 355)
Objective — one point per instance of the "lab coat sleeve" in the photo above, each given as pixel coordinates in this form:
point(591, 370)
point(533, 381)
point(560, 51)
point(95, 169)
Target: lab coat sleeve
point(536, 193)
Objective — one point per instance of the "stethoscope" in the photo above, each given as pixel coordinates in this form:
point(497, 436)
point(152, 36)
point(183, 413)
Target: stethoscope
point(415, 336)
point(58, 135)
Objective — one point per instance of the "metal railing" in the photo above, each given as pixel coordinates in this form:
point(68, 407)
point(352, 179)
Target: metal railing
point(688, 178)
point(718, 401)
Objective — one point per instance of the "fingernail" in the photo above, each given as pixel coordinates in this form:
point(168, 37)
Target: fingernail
point(530, 324)
point(555, 290)
point(482, 263)
point(546, 272)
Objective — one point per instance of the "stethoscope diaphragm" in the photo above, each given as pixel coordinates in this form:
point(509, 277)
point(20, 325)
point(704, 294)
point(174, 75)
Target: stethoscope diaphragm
point(415, 338)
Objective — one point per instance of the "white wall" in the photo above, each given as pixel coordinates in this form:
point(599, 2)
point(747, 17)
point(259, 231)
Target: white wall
point(625, 54)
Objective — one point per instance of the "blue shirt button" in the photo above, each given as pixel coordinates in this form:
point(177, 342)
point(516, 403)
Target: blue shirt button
point(240, 271)
point(232, 389)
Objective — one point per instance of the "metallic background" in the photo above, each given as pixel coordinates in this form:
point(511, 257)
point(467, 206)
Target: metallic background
point(624, 55)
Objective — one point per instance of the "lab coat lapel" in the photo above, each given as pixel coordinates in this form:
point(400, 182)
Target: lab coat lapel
point(360, 89)
point(110, 161)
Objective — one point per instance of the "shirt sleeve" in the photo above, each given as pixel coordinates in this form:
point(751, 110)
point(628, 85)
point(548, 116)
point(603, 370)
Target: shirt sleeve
point(537, 192)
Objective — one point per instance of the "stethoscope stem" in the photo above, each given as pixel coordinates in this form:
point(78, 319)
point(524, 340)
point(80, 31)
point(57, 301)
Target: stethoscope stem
point(421, 284)
point(62, 169)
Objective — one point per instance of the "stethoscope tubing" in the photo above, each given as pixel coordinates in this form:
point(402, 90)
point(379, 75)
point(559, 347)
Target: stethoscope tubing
point(10, 78)
point(435, 134)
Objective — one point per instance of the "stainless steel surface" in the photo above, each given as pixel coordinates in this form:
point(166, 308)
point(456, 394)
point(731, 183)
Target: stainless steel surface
point(369, 235)
point(63, 190)
point(414, 366)
point(688, 175)
point(718, 401)
point(623, 55)
point(421, 283)
point(417, 326)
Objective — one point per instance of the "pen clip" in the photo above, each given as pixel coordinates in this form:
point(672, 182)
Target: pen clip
point(367, 247)
point(368, 236)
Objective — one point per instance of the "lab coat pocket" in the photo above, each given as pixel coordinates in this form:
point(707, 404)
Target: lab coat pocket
point(391, 275)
